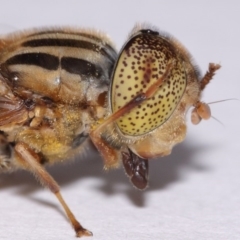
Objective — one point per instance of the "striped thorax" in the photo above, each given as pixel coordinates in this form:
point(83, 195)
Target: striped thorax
point(53, 87)
point(66, 63)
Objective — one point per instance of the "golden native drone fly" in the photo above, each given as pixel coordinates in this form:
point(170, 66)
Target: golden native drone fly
point(60, 86)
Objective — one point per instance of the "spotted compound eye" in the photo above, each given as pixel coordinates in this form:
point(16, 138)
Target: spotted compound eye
point(142, 62)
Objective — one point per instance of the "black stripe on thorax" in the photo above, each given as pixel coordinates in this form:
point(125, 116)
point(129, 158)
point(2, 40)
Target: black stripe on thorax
point(60, 31)
point(81, 67)
point(79, 34)
point(43, 60)
point(50, 62)
point(61, 42)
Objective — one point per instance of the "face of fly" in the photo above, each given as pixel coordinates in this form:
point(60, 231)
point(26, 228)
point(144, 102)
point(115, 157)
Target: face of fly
point(154, 83)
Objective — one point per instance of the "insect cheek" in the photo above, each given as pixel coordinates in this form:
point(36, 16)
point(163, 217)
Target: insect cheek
point(149, 148)
point(204, 111)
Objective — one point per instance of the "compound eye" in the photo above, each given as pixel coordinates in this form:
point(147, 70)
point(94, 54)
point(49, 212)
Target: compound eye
point(142, 62)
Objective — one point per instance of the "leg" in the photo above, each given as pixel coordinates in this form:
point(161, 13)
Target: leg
point(5, 154)
point(30, 161)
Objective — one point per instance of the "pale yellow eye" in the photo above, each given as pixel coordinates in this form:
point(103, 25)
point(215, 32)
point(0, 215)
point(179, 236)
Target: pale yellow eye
point(143, 61)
